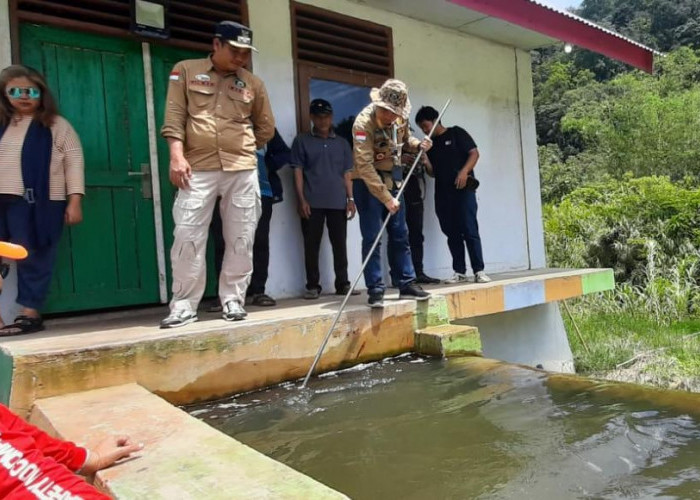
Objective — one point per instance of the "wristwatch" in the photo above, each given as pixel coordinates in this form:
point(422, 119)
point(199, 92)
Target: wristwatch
point(350, 199)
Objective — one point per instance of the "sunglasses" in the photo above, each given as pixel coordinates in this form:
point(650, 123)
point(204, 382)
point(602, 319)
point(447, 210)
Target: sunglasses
point(17, 92)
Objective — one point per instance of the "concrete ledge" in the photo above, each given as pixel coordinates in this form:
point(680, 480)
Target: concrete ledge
point(183, 458)
point(208, 359)
point(448, 340)
point(213, 358)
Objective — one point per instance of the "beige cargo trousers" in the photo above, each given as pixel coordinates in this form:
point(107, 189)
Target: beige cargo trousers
point(192, 211)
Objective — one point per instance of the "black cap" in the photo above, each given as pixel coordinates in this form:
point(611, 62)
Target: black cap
point(236, 34)
point(320, 107)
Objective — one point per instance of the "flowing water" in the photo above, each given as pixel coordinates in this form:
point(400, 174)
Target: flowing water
point(410, 428)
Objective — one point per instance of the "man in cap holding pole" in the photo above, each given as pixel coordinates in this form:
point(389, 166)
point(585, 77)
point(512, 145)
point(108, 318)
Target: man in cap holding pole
point(217, 115)
point(380, 133)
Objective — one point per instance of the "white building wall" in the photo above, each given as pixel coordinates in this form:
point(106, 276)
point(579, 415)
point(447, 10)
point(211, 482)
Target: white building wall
point(5, 46)
point(491, 90)
point(485, 82)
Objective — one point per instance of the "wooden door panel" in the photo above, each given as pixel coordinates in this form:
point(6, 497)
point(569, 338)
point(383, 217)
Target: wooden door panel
point(110, 259)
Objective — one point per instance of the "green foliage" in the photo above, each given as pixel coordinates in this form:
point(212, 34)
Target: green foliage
point(663, 355)
point(560, 175)
point(644, 125)
point(646, 229)
point(553, 85)
point(633, 124)
point(620, 169)
point(664, 25)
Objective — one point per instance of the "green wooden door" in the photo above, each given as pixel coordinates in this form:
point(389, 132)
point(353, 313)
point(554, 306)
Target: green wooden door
point(162, 61)
point(110, 259)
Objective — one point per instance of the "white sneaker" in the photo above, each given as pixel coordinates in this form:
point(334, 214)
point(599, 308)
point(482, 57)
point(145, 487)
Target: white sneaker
point(456, 278)
point(481, 277)
point(232, 311)
point(178, 317)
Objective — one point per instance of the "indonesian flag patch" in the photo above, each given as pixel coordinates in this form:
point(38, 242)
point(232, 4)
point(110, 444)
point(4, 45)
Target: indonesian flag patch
point(175, 76)
point(360, 136)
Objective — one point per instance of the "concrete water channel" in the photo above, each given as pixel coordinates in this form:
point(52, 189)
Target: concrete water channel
point(125, 375)
point(466, 428)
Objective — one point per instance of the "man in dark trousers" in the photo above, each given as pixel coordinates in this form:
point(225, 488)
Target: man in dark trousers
point(453, 157)
point(322, 162)
point(413, 195)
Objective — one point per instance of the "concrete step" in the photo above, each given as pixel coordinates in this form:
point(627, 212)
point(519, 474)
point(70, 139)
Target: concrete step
point(448, 340)
point(183, 458)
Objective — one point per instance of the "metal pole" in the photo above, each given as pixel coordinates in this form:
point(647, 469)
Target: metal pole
point(369, 254)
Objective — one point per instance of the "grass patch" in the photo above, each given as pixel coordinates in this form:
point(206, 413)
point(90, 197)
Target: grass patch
point(634, 348)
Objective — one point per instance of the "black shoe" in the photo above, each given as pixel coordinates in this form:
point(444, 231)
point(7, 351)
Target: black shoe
point(376, 300)
point(214, 307)
point(413, 291)
point(424, 279)
point(260, 299)
point(211, 305)
point(345, 289)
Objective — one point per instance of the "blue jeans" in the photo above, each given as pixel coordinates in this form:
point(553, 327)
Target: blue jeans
point(372, 214)
point(456, 211)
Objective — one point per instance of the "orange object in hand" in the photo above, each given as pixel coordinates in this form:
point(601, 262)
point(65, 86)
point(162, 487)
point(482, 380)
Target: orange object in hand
point(12, 251)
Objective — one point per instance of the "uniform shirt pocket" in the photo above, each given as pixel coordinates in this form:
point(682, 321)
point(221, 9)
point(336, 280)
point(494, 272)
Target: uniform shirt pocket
point(241, 102)
point(200, 97)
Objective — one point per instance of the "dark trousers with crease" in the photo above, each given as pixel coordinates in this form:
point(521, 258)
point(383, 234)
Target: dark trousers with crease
point(413, 198)
point(456, 211)
point(312, 229)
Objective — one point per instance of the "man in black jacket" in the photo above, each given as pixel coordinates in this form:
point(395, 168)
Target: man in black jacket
point(453, 157)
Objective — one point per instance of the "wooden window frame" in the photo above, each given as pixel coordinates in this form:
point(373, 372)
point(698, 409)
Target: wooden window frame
point(305, 71)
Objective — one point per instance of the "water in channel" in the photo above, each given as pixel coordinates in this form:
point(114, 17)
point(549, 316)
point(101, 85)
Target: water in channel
point(412, 428)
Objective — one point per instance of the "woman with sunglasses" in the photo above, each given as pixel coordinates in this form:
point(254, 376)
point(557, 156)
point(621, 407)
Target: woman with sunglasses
point(41, 185)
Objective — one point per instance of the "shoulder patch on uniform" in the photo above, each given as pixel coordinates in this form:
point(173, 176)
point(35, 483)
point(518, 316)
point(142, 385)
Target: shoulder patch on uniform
point(360, 136)
point(175, 76)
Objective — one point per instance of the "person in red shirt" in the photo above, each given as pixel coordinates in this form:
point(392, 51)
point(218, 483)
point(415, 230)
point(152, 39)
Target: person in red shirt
point(35, 465)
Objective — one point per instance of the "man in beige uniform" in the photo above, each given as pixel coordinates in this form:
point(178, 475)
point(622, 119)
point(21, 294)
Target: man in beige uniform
point(379, 133)
point(217, 115)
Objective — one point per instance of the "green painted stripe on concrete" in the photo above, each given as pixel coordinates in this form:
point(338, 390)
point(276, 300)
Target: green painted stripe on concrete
point(448, 340)
point(6, 366)
point(598, 282)
point(431, 313)
point(456, 345)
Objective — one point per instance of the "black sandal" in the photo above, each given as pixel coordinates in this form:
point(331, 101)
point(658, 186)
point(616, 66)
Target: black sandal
point(23, 325)
point(263, 300)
